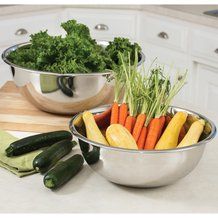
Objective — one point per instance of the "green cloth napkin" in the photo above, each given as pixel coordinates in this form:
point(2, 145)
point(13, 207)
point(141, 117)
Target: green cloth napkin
point(19, 165)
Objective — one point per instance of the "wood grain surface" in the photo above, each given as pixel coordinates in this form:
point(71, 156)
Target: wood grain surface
point(16, 113)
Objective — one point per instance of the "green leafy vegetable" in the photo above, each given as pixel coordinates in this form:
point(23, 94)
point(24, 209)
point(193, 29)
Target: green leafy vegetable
point(77, 52)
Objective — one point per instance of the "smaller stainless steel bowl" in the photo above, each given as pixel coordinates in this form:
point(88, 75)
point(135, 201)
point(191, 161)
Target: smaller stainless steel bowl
point(141, 168)
point(63, 93)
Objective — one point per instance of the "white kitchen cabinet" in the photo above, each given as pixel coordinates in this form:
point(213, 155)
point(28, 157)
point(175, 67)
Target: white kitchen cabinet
point(106, 24)
point(163, 32)
point(204, 44)
point(207, 88)
point(5, 74)
point(16, 29)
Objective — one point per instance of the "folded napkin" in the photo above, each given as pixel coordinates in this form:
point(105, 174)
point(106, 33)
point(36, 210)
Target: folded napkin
point(19, 165)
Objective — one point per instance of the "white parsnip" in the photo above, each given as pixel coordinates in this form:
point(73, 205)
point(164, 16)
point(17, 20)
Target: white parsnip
point(118, 136)
point(92, 131)
point(193, 134)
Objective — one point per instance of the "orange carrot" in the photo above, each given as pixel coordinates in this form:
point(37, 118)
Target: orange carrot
point(103, 119)
point(138, 126)
point(152, 136)
point(130, 122)
point(162, 123)
point(142, 138)
point(123, 111)
point(181, 134)
point(114, 113)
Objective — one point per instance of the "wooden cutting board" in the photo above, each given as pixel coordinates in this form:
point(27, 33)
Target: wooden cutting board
point(16, 113)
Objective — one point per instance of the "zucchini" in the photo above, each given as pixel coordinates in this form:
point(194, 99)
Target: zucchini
point(92, 156)
point(84, 146)
point(48, 158)
point(63, 172)
point(35, 142)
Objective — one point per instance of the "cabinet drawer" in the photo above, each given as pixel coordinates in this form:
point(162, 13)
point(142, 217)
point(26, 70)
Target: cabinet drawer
point(164, 33)
point(205, 45)
point(106, 24)
point(16, 30)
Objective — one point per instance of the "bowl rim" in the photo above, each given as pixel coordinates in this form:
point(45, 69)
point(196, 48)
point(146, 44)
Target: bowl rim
point(106, 72)
point(103, 107)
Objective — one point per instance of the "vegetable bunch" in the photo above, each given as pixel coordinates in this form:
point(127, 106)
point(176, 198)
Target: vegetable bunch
point(77, 52)
point(145, 98)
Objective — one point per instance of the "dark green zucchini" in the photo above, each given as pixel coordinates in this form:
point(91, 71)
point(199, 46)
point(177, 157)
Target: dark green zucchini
point(92, 156)
point(35, 142)
point(63, 172)
point(49, 157)
point(84, 146)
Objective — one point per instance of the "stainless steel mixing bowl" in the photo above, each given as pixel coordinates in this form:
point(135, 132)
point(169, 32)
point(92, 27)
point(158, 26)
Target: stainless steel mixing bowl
point(147, 168)
point(63, 93)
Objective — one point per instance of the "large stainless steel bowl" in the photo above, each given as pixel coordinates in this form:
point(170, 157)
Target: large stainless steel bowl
point(62, 93)
point(142, 168)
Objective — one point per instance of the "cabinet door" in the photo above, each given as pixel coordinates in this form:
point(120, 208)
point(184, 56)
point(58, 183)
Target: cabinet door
point(207, 89)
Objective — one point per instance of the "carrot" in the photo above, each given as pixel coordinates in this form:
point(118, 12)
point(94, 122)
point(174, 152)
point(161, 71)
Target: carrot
point(123, 111)
point(103, 119)
point(138, 126)
point(182, 134)
point(168, 118)
point(142, 138)
point(114, 113)
point(162, 123)
point(130, 122)
point(152, 137)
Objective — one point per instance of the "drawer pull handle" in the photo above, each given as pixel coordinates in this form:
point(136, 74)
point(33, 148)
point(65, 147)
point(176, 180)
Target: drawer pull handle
point(21, 32)
point(101, 27)
point(163, 35)
point(216, 51)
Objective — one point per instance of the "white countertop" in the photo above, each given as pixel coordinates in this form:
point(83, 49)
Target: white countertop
point(89, 192)
point(190, 13)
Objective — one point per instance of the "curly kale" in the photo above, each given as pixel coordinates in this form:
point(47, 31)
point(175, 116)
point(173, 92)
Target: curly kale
point(77, 52)
point(124, 46)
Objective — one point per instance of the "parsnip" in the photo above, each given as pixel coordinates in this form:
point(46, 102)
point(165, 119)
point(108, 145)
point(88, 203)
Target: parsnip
point(193, 134)
point(92, 131)
point(118, 136)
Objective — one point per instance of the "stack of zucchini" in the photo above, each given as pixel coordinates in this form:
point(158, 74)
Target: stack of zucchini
point(58, 144)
